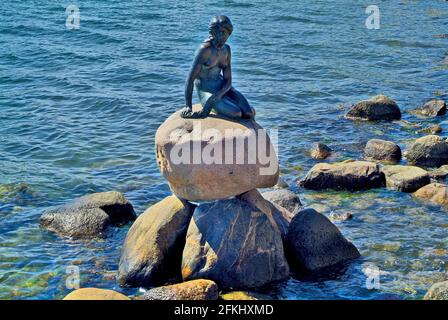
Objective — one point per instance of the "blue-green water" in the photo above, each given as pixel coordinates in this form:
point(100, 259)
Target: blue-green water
point(79, 110)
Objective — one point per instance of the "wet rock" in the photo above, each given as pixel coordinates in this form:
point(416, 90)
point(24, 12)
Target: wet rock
point(235, 244)
point(88, 216)
point(320, 151)
point(95, 294)
point(377, 108)
point(202, 159)
point(281, 184)
point(432, 108)
point(152, 251)
point(438, 175)
point(430, 130)
point(244, 295)
point(200, 289)
point(438, 291)
point(435, 192)
point(341, 216)
point(281, 215)
point(347, 175)
point(382, 150)
point(428, 151)
point(315, 243)
point(284, 198)
point(405, 178)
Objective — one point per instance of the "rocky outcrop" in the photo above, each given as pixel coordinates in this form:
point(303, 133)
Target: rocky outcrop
point(88, 216)
point(314, 243)
point(213, 158)
point(347, 175)
point(405, 178)
point(435, 192)
point(95, 294)
point(152, 251)
point(430, 130)
point(428, 151)
point(438, 291)
point(432, 108)
point(320, 151)
point(235, 244)
point(244, 295)
point(200, 289)
point(284, 198)
point(377, 108)
point(382, 150)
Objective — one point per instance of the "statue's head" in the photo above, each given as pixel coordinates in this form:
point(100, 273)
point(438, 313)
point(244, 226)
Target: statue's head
point(220, 29)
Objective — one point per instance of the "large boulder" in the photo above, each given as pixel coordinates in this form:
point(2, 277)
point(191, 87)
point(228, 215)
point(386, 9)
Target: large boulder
point(405, 178)
point(435, 192)
point(432, 108)
point(428, 151)
point(438, 291)
point(88, 216)
point(235, 244)
point(95, 294)
point(320, 151)
point(152, 251)
point(284, 198)
point(200, 289)
point(377, 108)
point(382, 150)
point(347, 175)
point(315, 243)
point(214, 158)
point(281, 215)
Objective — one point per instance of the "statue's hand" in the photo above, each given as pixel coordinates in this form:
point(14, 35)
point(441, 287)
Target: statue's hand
point(187, 113)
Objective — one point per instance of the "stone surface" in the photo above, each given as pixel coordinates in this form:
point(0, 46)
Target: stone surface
point(284, 198)
point(405, 178)
point(281, 184)
point(431, 129)
point(347, 175)
point(314, 242)
point(152, 251)
point(377, 108)
point(320, 151)
point(435, 192)
point(382, 150)
point(281, 215)
point(225, 169)
point(200, 289)
point(95, 294)
point(428, 151)
point(244, 295)
point(432, 108)
point(340, 216)
point(438, 291)
point(88, 216)
point(235, 244)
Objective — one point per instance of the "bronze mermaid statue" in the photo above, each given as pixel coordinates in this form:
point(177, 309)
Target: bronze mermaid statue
point(211, 75)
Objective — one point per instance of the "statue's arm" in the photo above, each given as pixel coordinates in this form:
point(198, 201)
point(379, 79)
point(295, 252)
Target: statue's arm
point(192, 74)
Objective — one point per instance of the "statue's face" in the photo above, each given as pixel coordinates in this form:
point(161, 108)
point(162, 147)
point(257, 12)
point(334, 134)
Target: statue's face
point(220, 36)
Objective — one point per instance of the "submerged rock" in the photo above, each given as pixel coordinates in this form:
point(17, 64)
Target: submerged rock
point(341, 216)
point(284, 198)
point(200, 289)
point(235, 244)
point(382, 150)
point(95, 294)
point(347, 175)
point(320, 151)
point(405, 178)
point(438, 291)
point(428, 151)
point(431, 129)
point(152, 251)
point(377, 108)
point(432, 108)
point(281, 184)
point(203, 159)
point(314, 242)
point(435, 192)
point(88, 216)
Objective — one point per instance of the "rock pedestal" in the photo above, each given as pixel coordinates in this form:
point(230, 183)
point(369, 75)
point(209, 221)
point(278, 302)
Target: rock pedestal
point(214, 158)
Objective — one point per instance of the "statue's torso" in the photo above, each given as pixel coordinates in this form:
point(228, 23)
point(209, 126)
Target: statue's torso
point(210, 78)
